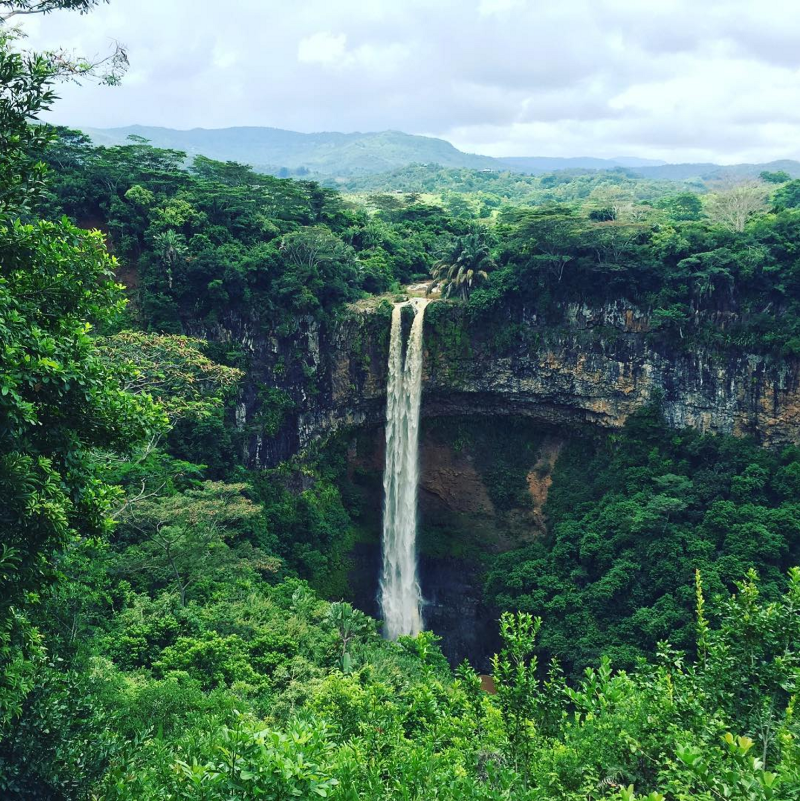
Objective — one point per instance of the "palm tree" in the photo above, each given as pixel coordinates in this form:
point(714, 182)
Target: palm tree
point(170, 247)
point(464, 265)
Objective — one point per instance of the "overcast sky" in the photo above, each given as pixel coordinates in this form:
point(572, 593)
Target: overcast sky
point(682, 80)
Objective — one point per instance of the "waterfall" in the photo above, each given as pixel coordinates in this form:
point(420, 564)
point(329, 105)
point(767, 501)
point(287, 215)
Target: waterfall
point(401, 599)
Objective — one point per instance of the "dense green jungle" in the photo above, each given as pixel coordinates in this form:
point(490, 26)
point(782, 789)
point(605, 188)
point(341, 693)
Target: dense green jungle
point(187, 603)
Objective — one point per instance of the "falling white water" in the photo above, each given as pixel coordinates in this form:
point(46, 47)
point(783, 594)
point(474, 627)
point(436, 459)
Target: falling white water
point(401, 598)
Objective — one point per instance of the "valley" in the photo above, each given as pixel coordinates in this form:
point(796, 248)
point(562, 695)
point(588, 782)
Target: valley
point(355, 466)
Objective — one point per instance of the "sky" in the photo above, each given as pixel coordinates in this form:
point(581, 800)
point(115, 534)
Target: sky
point(678, 80)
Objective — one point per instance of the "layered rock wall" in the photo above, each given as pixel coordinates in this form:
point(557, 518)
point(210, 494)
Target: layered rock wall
point(585, 367)
point(594, 366)
point(600, 365)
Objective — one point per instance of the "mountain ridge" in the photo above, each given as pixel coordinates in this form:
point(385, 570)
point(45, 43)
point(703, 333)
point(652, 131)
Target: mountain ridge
point(336, 154)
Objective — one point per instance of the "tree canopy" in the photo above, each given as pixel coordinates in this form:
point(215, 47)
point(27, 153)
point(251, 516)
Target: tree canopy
point(176, 618)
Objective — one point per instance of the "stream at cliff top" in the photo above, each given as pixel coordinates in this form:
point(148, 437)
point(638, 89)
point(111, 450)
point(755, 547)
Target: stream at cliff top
point(400, 594)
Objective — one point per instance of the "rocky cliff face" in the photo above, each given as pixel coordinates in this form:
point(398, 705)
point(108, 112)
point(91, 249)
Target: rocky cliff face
point(594, 367)
point(590, 369)
point(599, 365)
point(307, 381)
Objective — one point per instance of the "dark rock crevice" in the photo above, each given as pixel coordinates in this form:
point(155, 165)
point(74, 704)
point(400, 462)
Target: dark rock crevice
point(460, 525)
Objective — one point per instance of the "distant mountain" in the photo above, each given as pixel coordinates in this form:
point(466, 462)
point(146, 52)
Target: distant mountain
point(632, 161)
point(715, 172)
point(534, 165)
point(273, 150)
point(345, 155)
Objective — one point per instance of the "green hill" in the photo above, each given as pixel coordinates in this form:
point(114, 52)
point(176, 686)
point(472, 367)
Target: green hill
point(332, 155)
point(715, 172)
point(278, 151)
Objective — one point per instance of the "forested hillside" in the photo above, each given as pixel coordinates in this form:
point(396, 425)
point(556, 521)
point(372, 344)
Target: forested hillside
point(279, 152)
point(486, 191)
point(355, 156)
point(178, 622)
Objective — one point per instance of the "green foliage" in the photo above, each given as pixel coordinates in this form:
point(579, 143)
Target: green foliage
point(58, 399)
point(320, 270)
point(173, 370)
point(307, 522)
point(350, 625)
point(680, 269)
point(630, 520)
point(181, 655)
point(244, 761)
point(397, 724)
point(219, 242)
point(787, 196)
point(187, 539)
point(683, 207)
point(463, 266)
point(275, 405)
point(193, 390)
point(778, 177)
point(494, 188)
point(62, 741)
point(27, 91)
point(514, 671)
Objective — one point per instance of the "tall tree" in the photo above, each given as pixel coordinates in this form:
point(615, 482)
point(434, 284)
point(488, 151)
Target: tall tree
point(464, 265)
point(183, 538)
point(58, 399)
point(732, 205)
point(547, 236)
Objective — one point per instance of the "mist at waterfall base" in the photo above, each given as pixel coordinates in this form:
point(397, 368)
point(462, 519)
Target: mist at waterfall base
point(400, 594)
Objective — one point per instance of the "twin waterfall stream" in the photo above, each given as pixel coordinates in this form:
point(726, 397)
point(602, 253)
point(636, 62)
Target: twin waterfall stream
point(401, 598)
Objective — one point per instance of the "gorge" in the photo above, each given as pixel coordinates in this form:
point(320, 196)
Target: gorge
point(576, 377)
point(438, 483)
point(576, 469)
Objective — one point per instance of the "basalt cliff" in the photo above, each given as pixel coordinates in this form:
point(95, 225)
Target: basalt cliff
point(583, 372)
point(593, 368)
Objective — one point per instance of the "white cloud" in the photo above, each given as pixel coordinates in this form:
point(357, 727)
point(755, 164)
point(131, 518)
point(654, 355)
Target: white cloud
point(223, 57)
point(488, 8)
point(329, 50)
point(323, 48)
point(680, 80)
